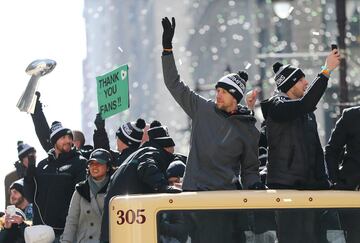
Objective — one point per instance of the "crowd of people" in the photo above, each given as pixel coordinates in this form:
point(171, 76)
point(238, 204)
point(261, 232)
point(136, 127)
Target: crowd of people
point(70, 189)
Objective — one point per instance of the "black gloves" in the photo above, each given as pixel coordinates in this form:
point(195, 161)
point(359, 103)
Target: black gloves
point(99, 122)
point(168, 34)
point(258, 186)
point(38, 105)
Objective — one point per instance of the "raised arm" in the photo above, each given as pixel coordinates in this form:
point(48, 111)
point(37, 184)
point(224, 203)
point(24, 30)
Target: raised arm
point(100, 137)
point(289, 109)
point(41, 125)
point(184, 96)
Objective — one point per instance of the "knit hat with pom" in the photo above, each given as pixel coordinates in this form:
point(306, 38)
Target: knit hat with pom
point(131, 133)
point(286, 76)
point(234, 83)
point(160, 135)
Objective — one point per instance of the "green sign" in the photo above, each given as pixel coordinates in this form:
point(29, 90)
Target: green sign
point(113, 91)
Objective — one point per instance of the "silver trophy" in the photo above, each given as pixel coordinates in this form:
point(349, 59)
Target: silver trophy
point(36, 69)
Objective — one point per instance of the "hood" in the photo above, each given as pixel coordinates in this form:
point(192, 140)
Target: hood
point(242, 113)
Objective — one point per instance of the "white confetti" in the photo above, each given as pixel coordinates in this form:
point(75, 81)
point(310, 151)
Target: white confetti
point(248, 65)
point(315, 33)
point(180, 62)
point(291, 9)
point(120, 49)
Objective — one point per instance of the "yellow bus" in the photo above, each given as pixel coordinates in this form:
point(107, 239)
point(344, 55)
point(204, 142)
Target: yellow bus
point(138, 218)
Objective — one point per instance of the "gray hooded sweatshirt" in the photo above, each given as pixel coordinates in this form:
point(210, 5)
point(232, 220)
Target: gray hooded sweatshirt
point(222, 146)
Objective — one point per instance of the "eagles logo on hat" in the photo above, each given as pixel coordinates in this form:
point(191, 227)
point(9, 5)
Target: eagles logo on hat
point(159, 134)
point(234, 83)
point(131, 133)
point(286, 76)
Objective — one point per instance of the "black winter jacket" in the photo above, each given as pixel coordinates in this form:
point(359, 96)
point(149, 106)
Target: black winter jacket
point(346, 134)
point(295, 156)
point(142, 172)
point(54, 184)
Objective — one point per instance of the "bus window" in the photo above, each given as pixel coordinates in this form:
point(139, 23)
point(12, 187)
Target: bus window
point(257, 225)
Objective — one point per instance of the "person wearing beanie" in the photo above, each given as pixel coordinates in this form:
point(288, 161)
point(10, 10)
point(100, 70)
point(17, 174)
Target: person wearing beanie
point(87, 203)
point(295, 155)
point(24, 152)
point(219, 128)
point(16, 215)
point(144, 171)
point(54, 179)
point(224, 139)
point(128, 138)
point(175, 172)
point(43, 131)
point(17, 198)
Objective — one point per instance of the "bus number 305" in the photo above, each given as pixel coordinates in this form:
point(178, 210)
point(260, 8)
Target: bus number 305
point(131, 217)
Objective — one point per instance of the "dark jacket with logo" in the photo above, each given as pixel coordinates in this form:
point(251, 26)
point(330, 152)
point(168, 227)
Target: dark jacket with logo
point(142, 172)
point(346, 134)
point(295, 155)
point(51, 184)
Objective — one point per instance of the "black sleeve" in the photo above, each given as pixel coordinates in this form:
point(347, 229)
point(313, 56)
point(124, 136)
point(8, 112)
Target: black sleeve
point(29, 182)
point(15, 233)
point(151, 175)
point(101, 139)
point(334, 150)
point(81, 170)
point(42, 128)
point(284, 110)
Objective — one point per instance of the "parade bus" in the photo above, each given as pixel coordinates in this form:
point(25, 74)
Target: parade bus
point(137, 218)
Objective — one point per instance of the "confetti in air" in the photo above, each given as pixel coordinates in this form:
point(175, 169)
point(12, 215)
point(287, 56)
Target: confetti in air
point(315, 33)
point(180, 62)
point(291, 9)
point(120, 49)
point(248, 65)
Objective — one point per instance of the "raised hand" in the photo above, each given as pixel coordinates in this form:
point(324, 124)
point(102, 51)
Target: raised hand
point(333, 60)
point(38, 105)
point(168, 33)
point(99, 122)
point(250, 98)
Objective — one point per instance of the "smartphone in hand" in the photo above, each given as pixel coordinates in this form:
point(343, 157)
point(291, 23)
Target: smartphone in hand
point(11, 210)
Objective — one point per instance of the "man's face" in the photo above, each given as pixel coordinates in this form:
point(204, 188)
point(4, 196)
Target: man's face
point(297, 91)
point(25, 160)
point(174, 180)
point(16, 198)
point(170, 150)
point(64, 143)
point(121, 145)
point(224, 100)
